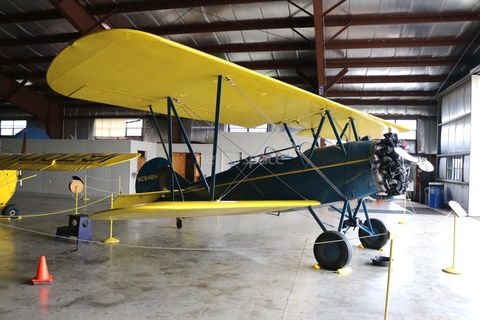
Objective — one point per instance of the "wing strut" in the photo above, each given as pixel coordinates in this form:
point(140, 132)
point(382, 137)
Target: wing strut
point(215, 136)
point(170, 151)
point(168, 155)
point(335, 131)
point(299, 155)
point(354, 128)
point(315, 138)
point(171, 106)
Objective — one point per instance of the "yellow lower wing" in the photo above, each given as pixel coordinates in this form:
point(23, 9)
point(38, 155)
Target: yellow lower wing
point(127, 200)
point(169, 209)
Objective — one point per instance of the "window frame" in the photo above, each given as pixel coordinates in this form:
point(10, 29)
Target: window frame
point(15, 127)
point(454, 168)
point(261, 128)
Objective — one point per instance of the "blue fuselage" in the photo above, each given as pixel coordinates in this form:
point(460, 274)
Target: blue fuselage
point(290, 179)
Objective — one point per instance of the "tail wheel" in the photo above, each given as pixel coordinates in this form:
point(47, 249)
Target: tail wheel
point(332, 250)
point(379, 238)
point(179, 223)
point(10, 210)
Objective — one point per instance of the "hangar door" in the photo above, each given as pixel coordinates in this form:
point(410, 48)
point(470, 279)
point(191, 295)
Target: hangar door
point(184, 165)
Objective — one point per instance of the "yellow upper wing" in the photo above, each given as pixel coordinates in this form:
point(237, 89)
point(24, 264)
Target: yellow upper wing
point(173, 209)
point(134, 69)
point(62, 161)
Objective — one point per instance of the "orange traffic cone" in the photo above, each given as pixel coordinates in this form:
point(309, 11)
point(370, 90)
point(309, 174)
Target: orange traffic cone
point(43, 277)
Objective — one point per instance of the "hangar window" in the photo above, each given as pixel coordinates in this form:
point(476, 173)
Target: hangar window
point(134, 128)
point(233, 128)
point(455, 168)
point(12, 127)
point(116, 128)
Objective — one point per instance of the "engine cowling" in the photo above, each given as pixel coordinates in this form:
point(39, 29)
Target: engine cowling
point(390, 171)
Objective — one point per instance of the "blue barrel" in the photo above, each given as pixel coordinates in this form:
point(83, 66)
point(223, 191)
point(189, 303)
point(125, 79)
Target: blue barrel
point(435, 195)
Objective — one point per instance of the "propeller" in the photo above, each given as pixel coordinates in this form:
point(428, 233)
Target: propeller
point(425, 165)
point(421, 162)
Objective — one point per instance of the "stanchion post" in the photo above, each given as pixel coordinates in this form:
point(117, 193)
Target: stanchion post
point(392, 236)
point(458, 212)
point(85, 194)
point(76, 200)
point(404, 221)
point(453, 269)
point(111, 239)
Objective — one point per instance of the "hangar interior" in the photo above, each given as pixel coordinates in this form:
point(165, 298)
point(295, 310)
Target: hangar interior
point(412, 63)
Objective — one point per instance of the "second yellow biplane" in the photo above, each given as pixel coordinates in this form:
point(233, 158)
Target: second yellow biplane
point(138, 70)
point(11, 164)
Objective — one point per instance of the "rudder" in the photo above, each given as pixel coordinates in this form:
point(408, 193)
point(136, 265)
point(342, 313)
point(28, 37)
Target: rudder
point(155, 175)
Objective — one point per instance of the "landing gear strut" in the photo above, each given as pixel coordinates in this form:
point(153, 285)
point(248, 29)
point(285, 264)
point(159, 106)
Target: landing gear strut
point(333, 251)
point(376, 238)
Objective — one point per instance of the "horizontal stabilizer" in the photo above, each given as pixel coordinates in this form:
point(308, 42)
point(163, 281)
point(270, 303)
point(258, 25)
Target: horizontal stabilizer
point(62, 161)
point(184, 209)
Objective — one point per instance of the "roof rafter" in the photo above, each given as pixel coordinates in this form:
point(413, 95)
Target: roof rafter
point(330, 20)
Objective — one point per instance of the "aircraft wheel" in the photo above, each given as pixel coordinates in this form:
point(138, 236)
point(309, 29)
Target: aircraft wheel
point(332, 250)
point(375, 242)
point(10, 210)
point(179, 223)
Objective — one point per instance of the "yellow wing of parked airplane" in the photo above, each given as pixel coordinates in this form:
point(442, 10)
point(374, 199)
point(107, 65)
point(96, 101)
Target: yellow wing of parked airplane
point(134, 69)
point(62, 161)
point(11, 163)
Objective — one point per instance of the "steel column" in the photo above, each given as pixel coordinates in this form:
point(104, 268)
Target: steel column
point(39, 106)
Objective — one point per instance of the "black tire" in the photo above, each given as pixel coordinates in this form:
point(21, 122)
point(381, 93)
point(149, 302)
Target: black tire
point(179, 223)
point(332, 250)
point(10, 210)
point(375, 242)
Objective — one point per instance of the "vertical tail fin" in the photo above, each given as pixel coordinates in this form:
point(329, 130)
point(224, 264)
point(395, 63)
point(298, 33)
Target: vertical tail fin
point(156, 175)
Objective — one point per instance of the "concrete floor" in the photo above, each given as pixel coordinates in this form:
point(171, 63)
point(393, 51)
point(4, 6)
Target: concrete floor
point(233, 267)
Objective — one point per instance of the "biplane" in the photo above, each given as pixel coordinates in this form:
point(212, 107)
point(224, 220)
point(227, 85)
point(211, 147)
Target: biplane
point(12, 163)
point(138, 70)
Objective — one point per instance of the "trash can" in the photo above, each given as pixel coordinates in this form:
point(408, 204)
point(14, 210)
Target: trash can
point(425, 199)
point(435, 195)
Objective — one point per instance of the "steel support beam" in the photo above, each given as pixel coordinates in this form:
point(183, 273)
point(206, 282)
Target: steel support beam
point(387, 102)
point(281, 46)
point(354, 63)
point(37, 105)
point(77, 15)
point(335, 79)
point(399, 18)
point(387, 93)
point(223, 26)
point(329, 21)
point(400, 43)
point(320, 48)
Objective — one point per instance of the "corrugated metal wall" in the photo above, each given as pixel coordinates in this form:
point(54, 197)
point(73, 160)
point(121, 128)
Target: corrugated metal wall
point(454, 139)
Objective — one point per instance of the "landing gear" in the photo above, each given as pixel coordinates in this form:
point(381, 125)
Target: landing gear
point(332, 250)
point(377, 238)
point(10, 210)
